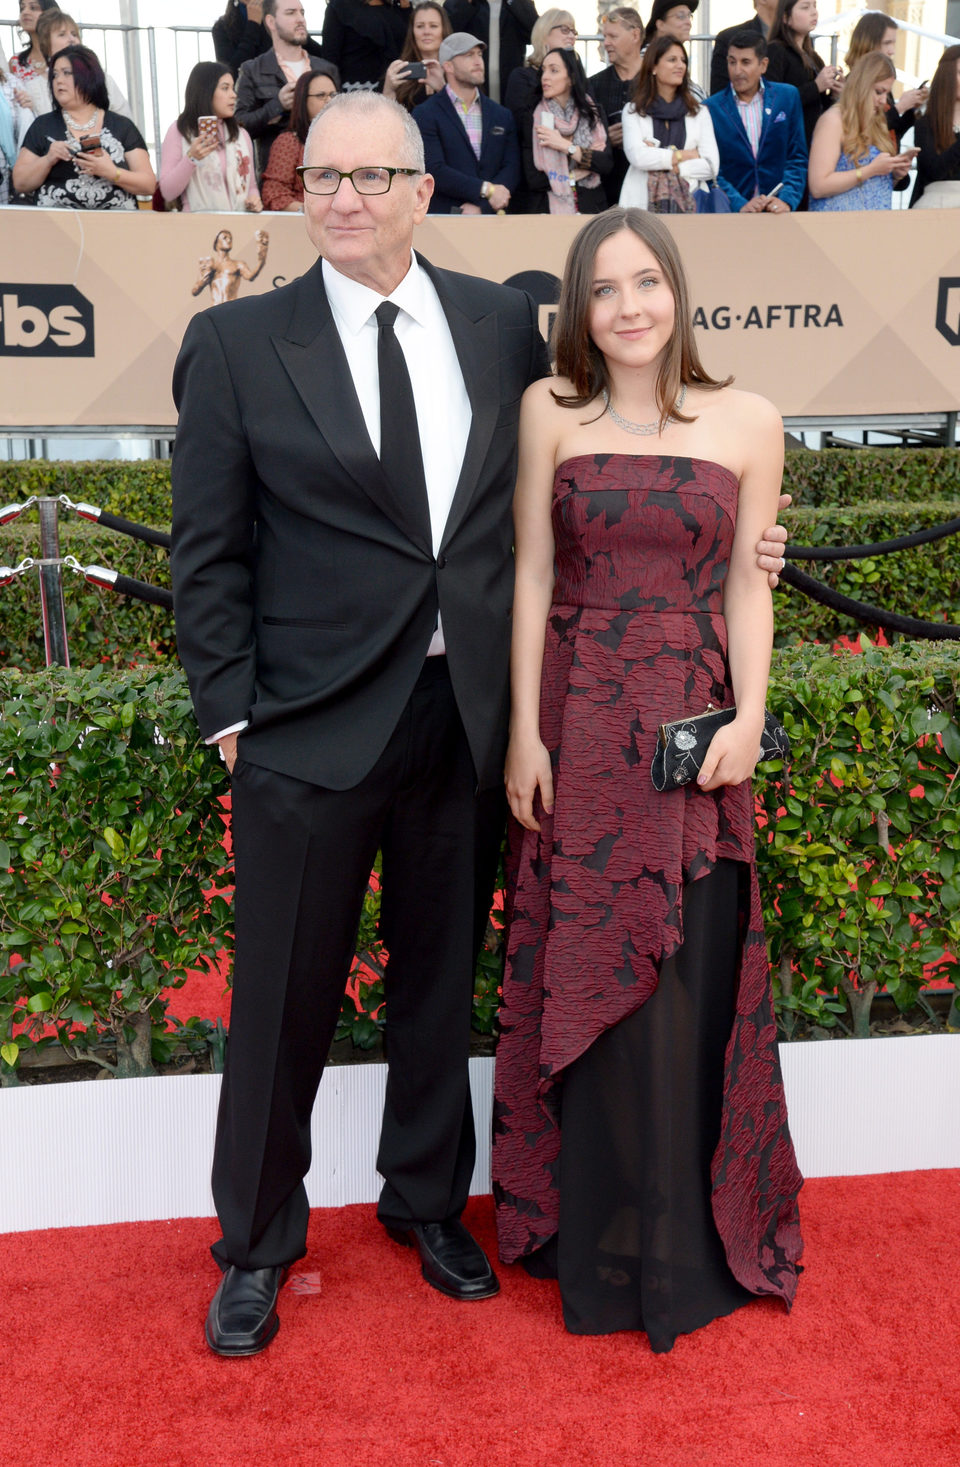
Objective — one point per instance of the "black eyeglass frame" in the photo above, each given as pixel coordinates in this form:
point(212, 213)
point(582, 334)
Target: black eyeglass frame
point(305, 168)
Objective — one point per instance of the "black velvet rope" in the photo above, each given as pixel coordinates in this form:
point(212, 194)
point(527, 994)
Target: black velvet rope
point(935, 631)
point(882, 547)
point(136, 532)
point(143, 592)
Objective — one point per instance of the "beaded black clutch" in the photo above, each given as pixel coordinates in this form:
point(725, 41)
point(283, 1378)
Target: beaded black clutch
point(683, 744)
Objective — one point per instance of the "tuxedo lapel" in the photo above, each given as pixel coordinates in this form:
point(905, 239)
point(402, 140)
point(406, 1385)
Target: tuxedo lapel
point(313, 358)
point(476, 343)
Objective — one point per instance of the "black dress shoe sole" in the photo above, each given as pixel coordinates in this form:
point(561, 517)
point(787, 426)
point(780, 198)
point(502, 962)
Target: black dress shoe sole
point(250, 1349)
point(406, 1240)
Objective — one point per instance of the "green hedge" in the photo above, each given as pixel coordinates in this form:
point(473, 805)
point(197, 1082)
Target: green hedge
point(101, 625)
point(923, 582)
point(111, 837)
point(110, 843)
point(860, 858)
point(138, 490)
point(851, 475)
point(141, 490)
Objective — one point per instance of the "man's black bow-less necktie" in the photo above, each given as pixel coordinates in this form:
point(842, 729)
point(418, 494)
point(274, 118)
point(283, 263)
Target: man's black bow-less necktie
point(401, 457)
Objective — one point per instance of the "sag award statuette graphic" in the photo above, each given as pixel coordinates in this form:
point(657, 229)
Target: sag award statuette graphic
point(222, 273)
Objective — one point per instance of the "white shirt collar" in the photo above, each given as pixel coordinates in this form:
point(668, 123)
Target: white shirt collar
point(353, 304)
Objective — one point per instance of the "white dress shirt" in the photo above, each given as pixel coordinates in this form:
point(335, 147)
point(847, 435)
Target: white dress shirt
point(443, 408)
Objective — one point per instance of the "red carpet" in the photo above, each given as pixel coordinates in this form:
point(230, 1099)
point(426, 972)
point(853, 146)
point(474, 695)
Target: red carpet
point(104, 1363)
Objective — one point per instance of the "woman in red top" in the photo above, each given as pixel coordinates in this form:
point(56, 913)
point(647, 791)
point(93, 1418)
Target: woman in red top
point(281, 188)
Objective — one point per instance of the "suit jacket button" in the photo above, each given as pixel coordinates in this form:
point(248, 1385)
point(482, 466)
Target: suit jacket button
point(441, 562)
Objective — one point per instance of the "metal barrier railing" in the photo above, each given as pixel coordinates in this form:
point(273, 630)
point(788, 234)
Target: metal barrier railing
point(51, 563)
point(151, 63)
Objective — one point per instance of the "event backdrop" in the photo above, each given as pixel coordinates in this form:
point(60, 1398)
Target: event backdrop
point(826, 314)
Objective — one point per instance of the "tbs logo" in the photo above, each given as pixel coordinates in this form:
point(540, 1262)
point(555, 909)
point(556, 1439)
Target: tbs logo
point(45, 321)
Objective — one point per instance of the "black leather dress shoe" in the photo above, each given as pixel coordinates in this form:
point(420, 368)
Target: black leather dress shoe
point(242, 1318)
point(451, 1260)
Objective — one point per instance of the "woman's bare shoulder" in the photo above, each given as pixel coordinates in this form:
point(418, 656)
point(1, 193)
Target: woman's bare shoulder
point(540, 399)
point(742, 410)
point(542, 390)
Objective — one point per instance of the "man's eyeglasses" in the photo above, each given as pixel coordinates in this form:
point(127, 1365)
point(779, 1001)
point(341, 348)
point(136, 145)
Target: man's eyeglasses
point(364, 180)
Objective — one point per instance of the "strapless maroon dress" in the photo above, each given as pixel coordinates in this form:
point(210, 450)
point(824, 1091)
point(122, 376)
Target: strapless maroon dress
point(641, 1147)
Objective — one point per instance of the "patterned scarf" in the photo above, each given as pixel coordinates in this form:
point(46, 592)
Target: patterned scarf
point(220, 180)
point(557, 166)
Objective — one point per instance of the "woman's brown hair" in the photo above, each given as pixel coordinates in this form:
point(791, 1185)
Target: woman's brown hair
point(868, 34)
point(645, 86)
point(49, 20)
point(780, 31)
point(943, 98)
point(408, 91)
point(580, 360)
point(861, 125)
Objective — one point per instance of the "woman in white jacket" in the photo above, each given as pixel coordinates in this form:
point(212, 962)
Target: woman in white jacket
point(667, 136)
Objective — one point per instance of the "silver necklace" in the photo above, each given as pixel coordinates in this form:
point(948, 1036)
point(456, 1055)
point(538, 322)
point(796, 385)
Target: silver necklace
point(646, 430)
point(81, 126)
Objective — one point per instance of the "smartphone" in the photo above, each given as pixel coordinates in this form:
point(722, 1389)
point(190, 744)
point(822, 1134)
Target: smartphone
point(546, 119)
point(90, 144)
point(613, 117)
point(208, 128)
point(416, 71)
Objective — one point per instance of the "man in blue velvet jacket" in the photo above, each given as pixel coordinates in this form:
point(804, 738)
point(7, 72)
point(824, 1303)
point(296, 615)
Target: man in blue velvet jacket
point(470, 142)
point(759, 131)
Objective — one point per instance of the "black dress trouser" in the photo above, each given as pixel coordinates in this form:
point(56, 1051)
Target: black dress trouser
point(303, 855)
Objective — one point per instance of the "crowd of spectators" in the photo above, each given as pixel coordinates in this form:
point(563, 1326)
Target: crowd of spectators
point(511, 122)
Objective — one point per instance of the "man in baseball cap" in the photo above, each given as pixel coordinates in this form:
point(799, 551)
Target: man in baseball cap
point(469, 141)
point(459, 44)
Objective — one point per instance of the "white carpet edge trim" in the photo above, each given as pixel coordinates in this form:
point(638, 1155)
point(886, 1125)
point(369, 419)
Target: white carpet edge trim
point(133, 1150)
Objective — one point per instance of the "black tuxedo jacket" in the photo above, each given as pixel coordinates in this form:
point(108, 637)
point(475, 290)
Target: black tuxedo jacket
point(306, 591)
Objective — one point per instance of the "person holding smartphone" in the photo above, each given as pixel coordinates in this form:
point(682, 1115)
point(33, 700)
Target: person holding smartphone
point(417, 73)
point(854, 161)
point(81, 155)
point(206, 163)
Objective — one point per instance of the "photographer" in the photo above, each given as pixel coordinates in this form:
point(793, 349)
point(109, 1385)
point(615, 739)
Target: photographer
point(206, 166)
point(81, 155)
point(418, 73)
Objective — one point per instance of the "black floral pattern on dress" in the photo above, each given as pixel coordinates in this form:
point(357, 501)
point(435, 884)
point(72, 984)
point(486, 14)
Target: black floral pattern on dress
point(635, 637)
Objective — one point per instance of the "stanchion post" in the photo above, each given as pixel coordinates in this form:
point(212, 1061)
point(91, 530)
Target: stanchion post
point(51, 586)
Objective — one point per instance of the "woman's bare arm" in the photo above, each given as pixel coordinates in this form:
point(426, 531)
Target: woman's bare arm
point(528, 763)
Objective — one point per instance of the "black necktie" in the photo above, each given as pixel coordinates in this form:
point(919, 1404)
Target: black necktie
point(400, 455)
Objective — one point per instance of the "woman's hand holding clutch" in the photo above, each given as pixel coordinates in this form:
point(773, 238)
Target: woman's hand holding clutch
point(732, 755)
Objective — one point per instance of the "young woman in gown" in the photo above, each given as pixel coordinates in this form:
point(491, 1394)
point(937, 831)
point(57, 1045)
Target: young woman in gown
point(641, 1149)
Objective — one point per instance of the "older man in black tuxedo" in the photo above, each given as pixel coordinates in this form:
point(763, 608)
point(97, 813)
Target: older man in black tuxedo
point(343, 590)
point(342, 484)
